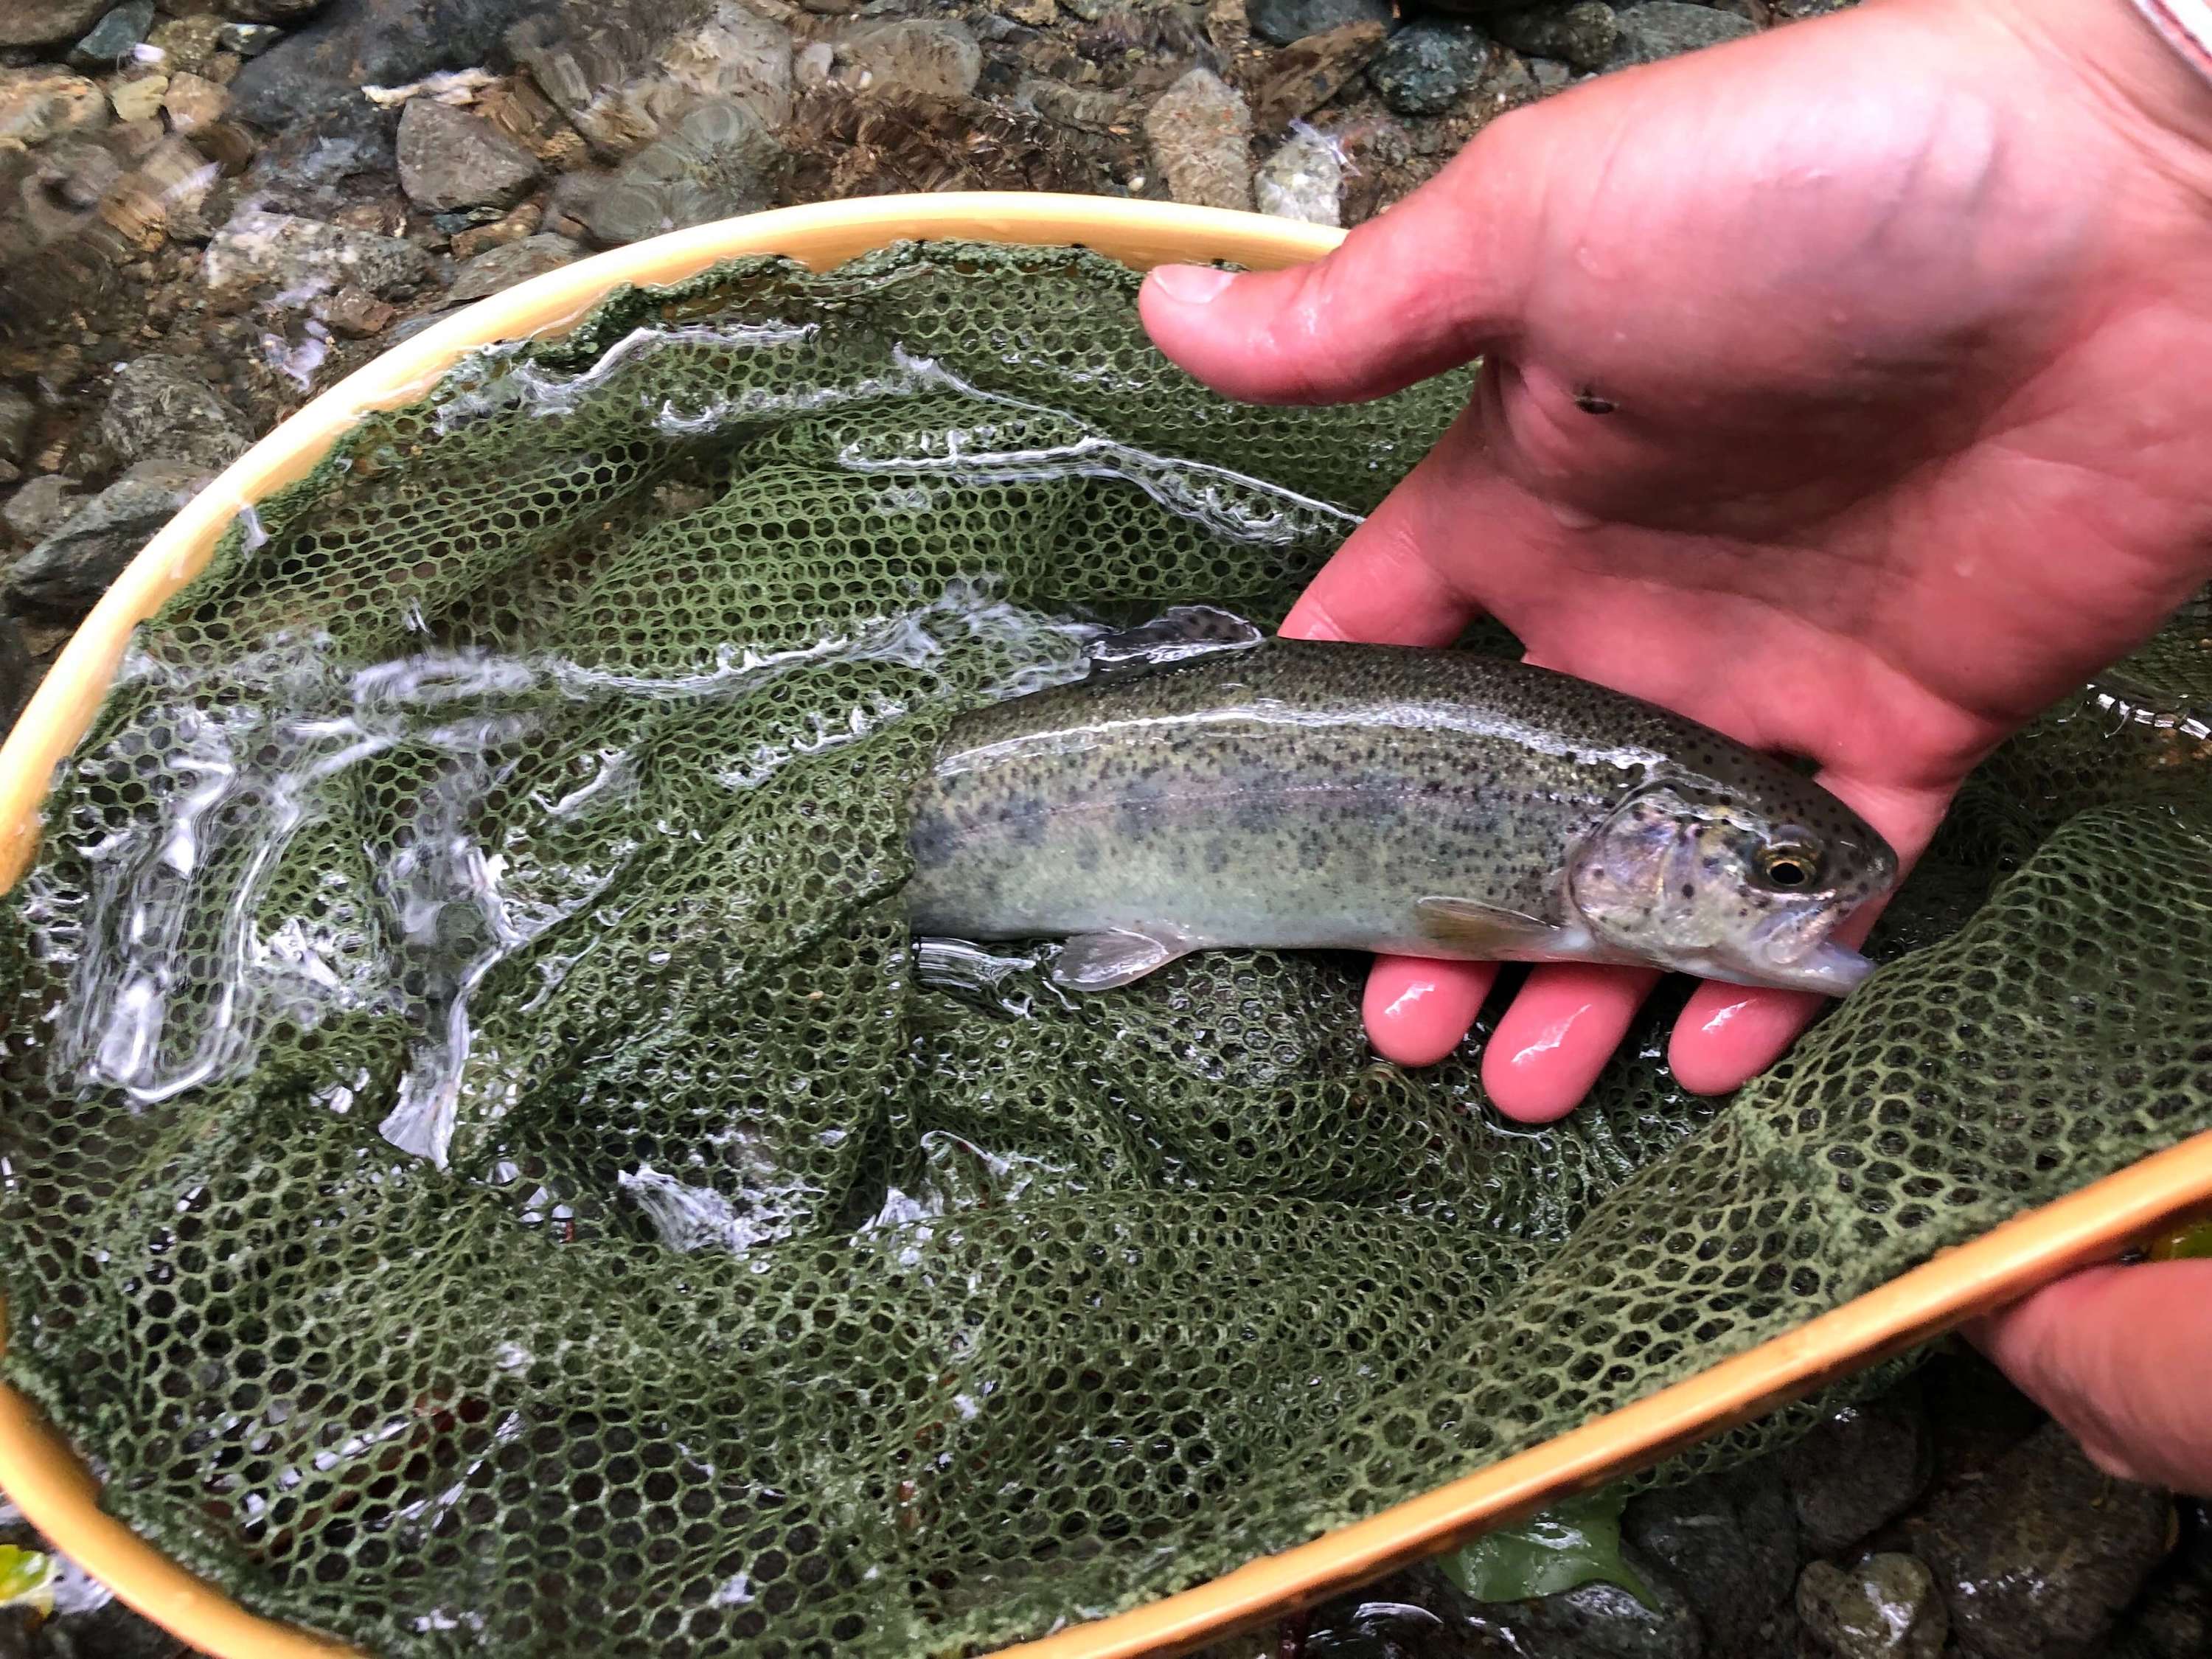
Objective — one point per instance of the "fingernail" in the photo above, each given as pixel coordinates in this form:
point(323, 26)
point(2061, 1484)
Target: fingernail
point(1191, 285)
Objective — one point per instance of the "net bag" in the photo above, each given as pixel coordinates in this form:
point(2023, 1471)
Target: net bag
point(486, 1172)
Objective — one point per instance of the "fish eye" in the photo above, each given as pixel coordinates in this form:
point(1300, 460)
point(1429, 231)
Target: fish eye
point(1789, 867)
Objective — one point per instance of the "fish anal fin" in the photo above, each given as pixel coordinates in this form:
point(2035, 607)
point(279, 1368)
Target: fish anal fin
point(1114, 956)
point(1485, 932)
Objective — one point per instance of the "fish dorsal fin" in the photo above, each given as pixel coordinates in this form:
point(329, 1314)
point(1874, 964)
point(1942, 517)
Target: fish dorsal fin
point(1174, 636)
point(1486, 932)
point(1101, 961)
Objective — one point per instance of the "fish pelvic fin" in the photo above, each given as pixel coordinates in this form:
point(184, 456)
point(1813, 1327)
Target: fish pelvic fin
point(1486, 932)
point(1114, 957)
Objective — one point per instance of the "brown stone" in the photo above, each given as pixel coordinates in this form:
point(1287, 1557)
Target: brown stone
point(524, 115)
point(357, 313)
point(481, 239)
point(229, 144)
point(193, 102)
point(1301, 78)
point(185, 43)
point(135, 96)
point(36, 105)
point(1200, 134)
point(47, 22)
point(450, 159)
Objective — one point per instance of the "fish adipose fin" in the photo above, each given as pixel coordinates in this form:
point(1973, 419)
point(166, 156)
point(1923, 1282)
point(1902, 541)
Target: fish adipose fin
point(1099, 961)
point(1484, 931)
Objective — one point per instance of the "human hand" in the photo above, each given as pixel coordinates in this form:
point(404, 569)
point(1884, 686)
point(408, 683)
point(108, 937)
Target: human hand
point(1844, 390)
point(2119, 1355)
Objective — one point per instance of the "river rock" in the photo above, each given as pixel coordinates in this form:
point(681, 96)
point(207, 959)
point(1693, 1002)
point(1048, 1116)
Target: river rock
point(194, 103)
point(503, 267)
point(161, 407)
point(1426, 68)
point(18, 414)
point(356, 313)
point(38, 104)
point(188, 43)
point(1200, 133)
point(1886, 1608)
point(624, 76)
point(17, 677)
point(167, 194)
point(138, 97)
point(1303, 179)
point(316, 167)
point(269, 11)
point(109, 40)
point(2036, 1560)
point(1595, 1621)
point(718, 161)
point(1303, 76)
point(1730, 1542)
point(1584, 34)
point(324, 65)
point(106, 1629)
point(1285, 20)
point(248, 39)
point(451, 158)
point(1976, 1414)
point(738, 55)
point(303, 258)
point(34, 511)
point(2173, 1618)
point(1859, 1469)
point(67, 572)
point(47, 22)
point(1665, 28)
point(922, 58)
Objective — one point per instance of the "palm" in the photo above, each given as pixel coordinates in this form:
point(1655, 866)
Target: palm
point(1831, 404)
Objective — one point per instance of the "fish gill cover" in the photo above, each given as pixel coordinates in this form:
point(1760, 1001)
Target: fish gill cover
point(484, 1173)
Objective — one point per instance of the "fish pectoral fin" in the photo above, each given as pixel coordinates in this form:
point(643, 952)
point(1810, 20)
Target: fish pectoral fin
point(1484, 931)
point(1101, 961)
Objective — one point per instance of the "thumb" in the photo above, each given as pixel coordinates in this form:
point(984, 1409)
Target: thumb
point(2119, 1355)
point(1423, 288)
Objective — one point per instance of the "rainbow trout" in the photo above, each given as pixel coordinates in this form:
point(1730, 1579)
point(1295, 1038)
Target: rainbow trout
point(1295, 795)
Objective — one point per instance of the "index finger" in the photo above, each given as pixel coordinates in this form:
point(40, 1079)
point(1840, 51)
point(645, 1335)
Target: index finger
point(1381, 586)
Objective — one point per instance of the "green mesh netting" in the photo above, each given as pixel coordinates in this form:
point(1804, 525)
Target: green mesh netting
point(484, 1173)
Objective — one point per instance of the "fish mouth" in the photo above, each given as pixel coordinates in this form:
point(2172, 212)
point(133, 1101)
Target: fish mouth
point(1829, 968)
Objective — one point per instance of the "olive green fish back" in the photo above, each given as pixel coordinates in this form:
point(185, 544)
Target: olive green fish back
point(484, 1173)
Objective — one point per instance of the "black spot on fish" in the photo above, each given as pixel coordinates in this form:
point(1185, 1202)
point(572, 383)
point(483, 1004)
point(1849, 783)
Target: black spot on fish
point(931, 838)
point(1689, 890)
point(1256, 815)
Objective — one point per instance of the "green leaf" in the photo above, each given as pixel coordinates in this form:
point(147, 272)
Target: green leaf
point(1571, 1544)
point(2190, 1243)
point(25, 1575)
